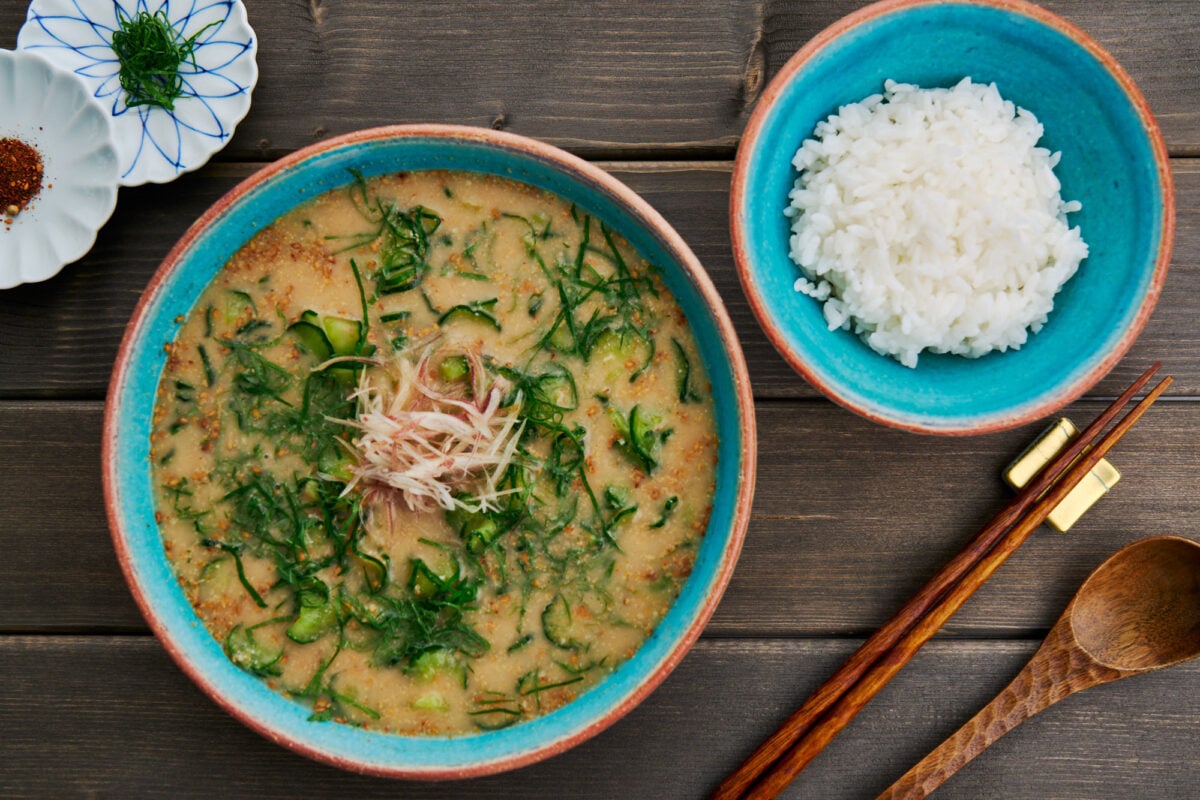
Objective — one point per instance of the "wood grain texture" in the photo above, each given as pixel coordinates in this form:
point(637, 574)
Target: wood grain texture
point(131, 725)
point(849, 520)
point(599, 77)
point(1138, 612)
point(58, 339)
point(775, 763)
point(1057, 670)
point(606, 79)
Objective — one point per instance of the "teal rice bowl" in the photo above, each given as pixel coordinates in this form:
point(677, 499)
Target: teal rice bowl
point(1113, 161)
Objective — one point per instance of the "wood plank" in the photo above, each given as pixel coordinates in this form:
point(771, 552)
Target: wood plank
point(53, 515)
point(144, 730)
point(820, 559)
point(850, 521)
point(60, 337)
point(606, 79)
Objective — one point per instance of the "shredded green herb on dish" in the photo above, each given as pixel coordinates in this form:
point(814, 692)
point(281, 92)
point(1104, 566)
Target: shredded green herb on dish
point(151, 51)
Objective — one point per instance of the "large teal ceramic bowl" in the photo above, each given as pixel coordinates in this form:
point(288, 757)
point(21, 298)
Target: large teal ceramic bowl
point(174, 289)
point(1113, 161)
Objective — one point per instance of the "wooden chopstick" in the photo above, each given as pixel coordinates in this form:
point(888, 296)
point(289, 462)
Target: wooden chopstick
point(887, 637)
point(883, 670)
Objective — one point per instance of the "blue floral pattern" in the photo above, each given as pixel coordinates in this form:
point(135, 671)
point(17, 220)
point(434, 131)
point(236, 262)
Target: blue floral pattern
point(156, 144)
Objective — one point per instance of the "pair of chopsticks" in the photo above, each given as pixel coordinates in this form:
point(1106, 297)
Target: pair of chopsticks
point(778, 760)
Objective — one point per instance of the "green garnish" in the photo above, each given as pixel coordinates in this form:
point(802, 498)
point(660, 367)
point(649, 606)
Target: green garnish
point(639, 437)
point(151, 52)
point(531, 684)
point(454, 368)
point(480, 310)
point(683, 375)
point(519, 643)
point(399, 319)
point(617, 311)
point(408, 626)
point(396, 316)
point(616, 499)
point(535, 304)
point(250, 654)
point(236, 552)
point(668, 509)
point(210, 377)
point(549, 522)
point(403, 237)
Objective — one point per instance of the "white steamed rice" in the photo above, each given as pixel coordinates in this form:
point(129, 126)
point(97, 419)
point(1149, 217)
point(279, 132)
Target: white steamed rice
point(929, 219)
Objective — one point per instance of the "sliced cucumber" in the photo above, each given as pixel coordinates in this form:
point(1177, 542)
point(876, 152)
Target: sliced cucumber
point(429, 665)
point(317, 616)
point(313, 339)
point(454, 368)
point(218, 579)
point(433, 701)
point(478, 530)
point(248, 653)
point(638, 436)
point(558, 624)
point(344, 335)
point(237, 304)
point(423, 582)
point(480, 311)
point(618, 352)
point(427, 219)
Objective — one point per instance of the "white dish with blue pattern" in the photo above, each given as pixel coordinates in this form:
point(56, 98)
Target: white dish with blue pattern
point(155, 144)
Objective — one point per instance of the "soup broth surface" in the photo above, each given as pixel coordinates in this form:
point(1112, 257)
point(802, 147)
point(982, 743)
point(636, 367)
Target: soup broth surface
point(433, 453)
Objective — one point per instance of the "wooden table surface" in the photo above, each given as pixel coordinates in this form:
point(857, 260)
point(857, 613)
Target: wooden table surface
point(849, 517)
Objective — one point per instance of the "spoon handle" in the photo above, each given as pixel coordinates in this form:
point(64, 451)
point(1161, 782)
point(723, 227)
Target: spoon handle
point(1058, 669)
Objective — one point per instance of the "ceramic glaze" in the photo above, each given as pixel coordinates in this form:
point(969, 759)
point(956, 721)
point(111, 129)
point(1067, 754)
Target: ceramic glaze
point(1088, 107)
point(191, 266)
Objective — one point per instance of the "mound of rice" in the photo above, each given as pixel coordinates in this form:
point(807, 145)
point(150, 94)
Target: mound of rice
point(929, 219)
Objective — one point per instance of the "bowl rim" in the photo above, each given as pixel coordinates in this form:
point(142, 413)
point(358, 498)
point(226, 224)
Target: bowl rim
point(1048, 403)
point(579, 170)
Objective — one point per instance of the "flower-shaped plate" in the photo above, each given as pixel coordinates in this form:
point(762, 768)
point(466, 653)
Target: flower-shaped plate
point(50, 110)
point(156, 145)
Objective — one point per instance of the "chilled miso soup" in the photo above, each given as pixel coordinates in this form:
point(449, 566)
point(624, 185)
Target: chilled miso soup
point(434, 453)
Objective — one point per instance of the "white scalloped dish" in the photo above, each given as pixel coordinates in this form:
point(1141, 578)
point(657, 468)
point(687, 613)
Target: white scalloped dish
point(53, 112)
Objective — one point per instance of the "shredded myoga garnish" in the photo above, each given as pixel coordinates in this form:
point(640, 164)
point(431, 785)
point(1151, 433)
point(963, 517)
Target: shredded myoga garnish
point(421, 445)
point(434, 453)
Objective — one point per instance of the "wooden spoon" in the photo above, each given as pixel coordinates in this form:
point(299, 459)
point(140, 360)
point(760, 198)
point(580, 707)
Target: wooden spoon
point(1138, 612)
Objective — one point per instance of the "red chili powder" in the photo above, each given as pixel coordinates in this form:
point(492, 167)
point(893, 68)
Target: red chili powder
point(20, 175)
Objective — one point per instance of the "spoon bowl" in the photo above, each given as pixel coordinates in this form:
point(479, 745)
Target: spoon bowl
point(1137, 612)
point(1140, 610)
